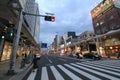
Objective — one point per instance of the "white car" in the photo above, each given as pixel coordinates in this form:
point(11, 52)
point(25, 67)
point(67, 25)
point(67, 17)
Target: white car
point(38, 56)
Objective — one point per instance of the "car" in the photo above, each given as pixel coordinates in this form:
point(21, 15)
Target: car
point(38, 56)
point(73, 55)
point(92, 56)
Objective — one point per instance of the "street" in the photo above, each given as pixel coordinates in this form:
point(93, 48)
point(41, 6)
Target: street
point(52, 67)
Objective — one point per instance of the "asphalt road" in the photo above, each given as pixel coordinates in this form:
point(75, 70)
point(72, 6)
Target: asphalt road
point(52, 67)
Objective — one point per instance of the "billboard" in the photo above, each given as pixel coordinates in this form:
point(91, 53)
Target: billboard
point(103, 6)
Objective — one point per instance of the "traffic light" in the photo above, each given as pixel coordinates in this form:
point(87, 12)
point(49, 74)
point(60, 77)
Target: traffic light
point(11, 33)
point(3, 35)
point(49, 18)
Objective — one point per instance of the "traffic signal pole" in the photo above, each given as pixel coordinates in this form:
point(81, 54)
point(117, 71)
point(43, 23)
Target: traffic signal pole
point(15, 44)
point(16, 40)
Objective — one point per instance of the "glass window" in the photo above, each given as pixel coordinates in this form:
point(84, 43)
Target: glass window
point(113, 26)
point(111, 17)
point(102, 22)
point(98, 31)
point(97, 24)
point(104, 30)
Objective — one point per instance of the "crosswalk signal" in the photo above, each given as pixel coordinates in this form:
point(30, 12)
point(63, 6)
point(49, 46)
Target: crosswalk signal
point(49, 18)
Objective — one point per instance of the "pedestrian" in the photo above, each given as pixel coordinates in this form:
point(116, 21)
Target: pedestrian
point(35, 65)
point(78, 55)
point(118, 55)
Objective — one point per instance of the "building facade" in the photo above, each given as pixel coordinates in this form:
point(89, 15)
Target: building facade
point(26, 42)
point(106, 24)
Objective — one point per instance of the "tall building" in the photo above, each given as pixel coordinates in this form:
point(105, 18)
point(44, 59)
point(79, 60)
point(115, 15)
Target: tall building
point(106, 24)
point(30, 19)
point(69, 34)
point(29, 35)
point(36, 26)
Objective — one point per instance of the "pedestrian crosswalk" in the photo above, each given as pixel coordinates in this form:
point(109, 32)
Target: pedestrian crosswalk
point(92, 70)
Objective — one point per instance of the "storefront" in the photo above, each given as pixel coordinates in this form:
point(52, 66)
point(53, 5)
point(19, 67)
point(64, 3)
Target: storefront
point(7, 50)
point(112, 46)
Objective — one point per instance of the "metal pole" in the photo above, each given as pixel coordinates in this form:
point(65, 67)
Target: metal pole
point(1, 48)
point(98, 50)
point(15, 44)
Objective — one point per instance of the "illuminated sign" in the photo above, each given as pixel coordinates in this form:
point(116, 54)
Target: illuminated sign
point(104, 5)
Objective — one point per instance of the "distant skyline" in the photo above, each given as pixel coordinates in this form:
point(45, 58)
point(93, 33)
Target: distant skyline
point(69, 16)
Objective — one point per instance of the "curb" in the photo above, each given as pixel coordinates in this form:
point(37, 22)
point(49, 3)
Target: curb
point(22, 74)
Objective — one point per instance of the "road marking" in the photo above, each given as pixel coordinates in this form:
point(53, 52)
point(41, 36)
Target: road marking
point(70, 74)
point(96, 72)
point(83, 73)
point(32, 75)
point(44, 73)
point(49, 60)
point(62, 59)
point(103, 66)
point(56, 73)
point(104, 70)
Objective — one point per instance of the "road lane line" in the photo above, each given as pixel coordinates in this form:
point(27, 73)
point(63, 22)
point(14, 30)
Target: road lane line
point(56, 73)
point(62, 59)
point(96, 72)
point(83, 73)
point(49, 60)
point(44, 74)
point(32, 75)
point(70, 74)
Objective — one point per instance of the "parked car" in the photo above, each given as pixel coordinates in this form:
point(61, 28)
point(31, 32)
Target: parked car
point(92, 56)
point(79, 56)
point(73, 55)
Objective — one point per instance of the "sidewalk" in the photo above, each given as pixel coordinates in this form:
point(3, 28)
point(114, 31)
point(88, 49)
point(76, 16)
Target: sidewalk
point(4, 67)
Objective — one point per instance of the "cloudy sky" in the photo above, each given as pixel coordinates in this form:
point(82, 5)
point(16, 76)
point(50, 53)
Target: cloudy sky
point(70, 15)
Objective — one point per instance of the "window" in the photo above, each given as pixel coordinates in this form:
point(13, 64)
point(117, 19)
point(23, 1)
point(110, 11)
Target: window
point(98, 31)
point(97, 24)
point(111, 17)
point(112, 26)
point(102, 22)
point(104, 30)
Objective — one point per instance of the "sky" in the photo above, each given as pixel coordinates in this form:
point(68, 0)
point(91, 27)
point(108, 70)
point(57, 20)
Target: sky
point(70, 15)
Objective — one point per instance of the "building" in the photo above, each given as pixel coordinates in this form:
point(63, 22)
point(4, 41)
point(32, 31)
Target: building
point(8, 19)
point(106, 24)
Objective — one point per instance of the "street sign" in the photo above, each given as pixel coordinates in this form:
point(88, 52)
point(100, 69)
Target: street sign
point(43, 45)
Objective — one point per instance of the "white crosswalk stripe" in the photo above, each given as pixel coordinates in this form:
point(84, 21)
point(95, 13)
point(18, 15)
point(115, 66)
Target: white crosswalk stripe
point(86, 74)
point(70, 74)
point(115, 73)
point(103, 66)
point(44, 75)
point(56, 73)
point(95, 70)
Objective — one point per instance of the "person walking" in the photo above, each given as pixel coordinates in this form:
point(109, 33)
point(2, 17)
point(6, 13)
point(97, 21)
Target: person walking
point(35, 65)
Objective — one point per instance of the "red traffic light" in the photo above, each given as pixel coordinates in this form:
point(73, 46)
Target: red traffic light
point(52, 18)
point(49, 18)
